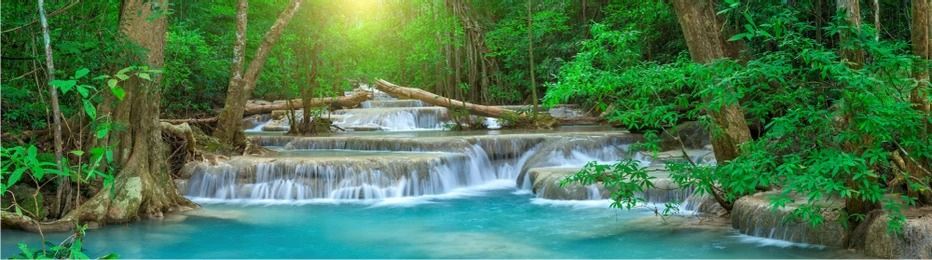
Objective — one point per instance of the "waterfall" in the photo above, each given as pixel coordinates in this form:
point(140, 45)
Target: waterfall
point(405, 167)
point(393, 118)
point(360, 177)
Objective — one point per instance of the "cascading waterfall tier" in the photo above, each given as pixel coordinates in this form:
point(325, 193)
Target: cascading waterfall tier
point(374, 167)
point(353, 176)
point(391, 103)
point(393, 118)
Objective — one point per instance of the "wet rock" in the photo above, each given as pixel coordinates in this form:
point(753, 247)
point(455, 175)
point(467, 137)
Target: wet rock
point(753, 215)
point(691, 133)
point(277, 125)
point(704, 204)
point(255, 120)
point(546, 184)
point(914, 242)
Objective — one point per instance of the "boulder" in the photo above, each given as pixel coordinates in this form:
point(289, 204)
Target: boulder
point(753, 215)
point(914, 242)
point(545, 183)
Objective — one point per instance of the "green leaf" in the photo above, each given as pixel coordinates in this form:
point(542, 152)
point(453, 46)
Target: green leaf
point(15, 176)
point(77, 153)
point(81, 73)
point(103, 130)
point(89, 109)
point(112, 83)
point(25, 251)
point(118, 92)
point(84, 90)
point(145, 76)
point(122, 76)
point(64, 85)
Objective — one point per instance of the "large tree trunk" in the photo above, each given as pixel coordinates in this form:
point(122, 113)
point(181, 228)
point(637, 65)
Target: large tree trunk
point(228, 127)
point(143, 187)
point(703, 33)
point(234, 88)
point(434, 99)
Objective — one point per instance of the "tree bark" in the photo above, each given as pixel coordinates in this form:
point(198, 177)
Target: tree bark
point(530, 54)
point(234, 88)
point(142, 187)
point(852, 9)
point(434, 99)
point(706, 43)
point(62, 203)
point(341, 101)
point(228, 127)
point(922, 47)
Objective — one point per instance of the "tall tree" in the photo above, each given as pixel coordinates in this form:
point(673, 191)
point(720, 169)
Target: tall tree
point(922, 47)
point(706, 43)
point(143, 186)
point(64, 186)
point(229, 125)
point(530, 54)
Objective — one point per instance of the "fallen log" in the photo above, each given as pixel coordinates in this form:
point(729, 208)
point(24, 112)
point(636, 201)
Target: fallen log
point(342, 101)
point(437, 100)
point(209, 120)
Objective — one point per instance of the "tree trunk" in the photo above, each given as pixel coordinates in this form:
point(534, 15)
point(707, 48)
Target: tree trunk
point(530, 54)
point(922, 47)
point(434, 99)
point(852, 10)
point(228, 134)
point(62, 203)
point(230, 119)
point(703, 33)
point(143, 187)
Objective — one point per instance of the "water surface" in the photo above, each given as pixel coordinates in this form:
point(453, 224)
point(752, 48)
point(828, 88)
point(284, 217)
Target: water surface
point(480, 222)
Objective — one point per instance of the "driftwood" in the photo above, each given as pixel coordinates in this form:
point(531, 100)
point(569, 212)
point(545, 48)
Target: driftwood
point(342, 101)
point(209, 120)
point(437, 100)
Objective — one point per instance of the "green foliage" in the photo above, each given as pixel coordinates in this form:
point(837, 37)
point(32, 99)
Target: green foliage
point(22, 161)
point(824, 127)
point(71, 248)
point(627, 179)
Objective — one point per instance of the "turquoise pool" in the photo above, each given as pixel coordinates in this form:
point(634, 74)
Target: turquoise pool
point(495, 222)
